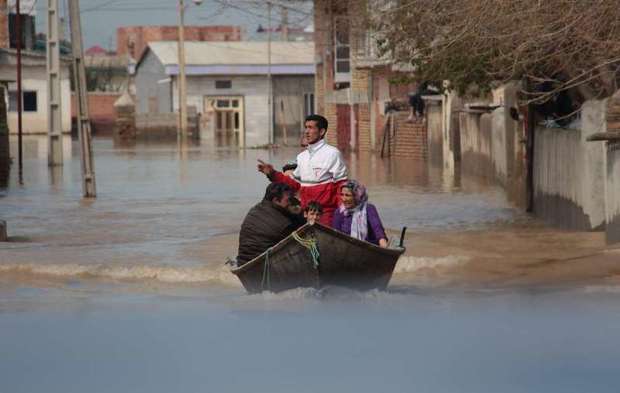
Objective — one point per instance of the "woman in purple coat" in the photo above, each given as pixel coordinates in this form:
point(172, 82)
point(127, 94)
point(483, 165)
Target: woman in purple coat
point(358, 218)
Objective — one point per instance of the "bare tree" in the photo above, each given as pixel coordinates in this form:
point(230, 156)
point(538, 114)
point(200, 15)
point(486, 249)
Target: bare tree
point(563, 44)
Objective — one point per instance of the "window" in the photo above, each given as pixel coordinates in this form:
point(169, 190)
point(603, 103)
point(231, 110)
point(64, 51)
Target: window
point(29, 101)
point(223, 84)
point(223, 103)
point(12, 101)
point(308, 104)
point(342, 50)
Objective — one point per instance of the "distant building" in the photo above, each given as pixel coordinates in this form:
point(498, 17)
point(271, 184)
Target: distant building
point(228, 85)
point(95, 50)
point(284, 33)
point(34, 72)
point(133, 40)
point(34, 91)
point(27, 18)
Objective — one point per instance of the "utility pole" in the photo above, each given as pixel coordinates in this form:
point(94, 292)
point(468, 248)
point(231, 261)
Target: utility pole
point(89, 189)
point(269, 81)
point(19, 41)
point(54, 118)
point(181, 80)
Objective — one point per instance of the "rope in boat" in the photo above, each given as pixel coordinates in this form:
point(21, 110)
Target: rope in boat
point(310, 244)
point(266, 275)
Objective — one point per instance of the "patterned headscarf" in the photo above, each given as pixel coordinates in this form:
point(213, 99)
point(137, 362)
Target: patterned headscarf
point(359, 221)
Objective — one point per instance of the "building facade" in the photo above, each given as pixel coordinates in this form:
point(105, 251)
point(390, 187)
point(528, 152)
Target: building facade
point(34, 73)
point(353, 85)
point(34, 91)
point(228, 84)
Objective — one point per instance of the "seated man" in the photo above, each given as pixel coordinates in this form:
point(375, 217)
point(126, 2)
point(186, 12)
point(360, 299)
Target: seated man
point(266, 223)
point(294, 209)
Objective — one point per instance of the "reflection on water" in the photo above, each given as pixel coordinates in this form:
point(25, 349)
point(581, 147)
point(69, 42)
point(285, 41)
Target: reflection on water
point(157, 199)
point(5, 170)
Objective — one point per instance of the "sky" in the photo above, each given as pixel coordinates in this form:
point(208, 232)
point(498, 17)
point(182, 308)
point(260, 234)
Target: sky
point(101, 18)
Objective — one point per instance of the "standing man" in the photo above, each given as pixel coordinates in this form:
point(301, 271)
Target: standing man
point(320, 170)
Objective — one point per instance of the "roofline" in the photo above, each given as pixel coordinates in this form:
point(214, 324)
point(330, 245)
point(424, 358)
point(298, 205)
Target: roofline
point(142, 56)
point(243, 69)
point(148, 49)
point(35, 54)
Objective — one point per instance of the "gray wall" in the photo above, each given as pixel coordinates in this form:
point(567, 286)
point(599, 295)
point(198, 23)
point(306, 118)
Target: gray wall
point(151, 86)
point(613, 193)
point(491, 148)
point(569, 173)
point(289, 91)
point(476, 144)
point(254, 90)
point(434, 116)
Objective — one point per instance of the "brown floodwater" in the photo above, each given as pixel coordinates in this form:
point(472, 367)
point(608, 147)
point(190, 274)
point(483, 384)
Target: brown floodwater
point(128, 292)
point(170, 213)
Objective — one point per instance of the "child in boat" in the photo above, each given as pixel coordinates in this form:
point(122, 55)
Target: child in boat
point(312, 212)
point(358, 218)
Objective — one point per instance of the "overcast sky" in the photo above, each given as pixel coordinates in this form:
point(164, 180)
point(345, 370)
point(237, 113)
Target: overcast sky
point(101, 18)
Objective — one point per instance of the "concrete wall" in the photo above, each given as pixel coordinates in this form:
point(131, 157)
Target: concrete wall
point(288, 101)
point(434, 115)
point(153, 87)
point(476, 152)
point(34, 78)
point(491, 144)
point(569, 173)
point(612, 202)
point(253, 89)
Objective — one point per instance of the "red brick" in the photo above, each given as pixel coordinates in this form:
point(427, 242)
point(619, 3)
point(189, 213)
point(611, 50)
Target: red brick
point(140, 36)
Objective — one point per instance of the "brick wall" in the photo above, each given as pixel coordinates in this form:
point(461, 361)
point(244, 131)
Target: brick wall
point(363, 123)
point(4, 24)
point(101, 111)
point(360, 79)
point(133, 40)
point(409, 138)
point(331, 116)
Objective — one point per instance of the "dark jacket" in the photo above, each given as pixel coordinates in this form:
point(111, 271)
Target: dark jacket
point(263, 227)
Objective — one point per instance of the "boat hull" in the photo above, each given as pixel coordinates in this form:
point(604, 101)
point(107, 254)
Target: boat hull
point(343, 261)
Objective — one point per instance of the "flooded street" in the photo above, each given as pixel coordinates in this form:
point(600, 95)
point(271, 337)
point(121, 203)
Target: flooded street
point(129, 292)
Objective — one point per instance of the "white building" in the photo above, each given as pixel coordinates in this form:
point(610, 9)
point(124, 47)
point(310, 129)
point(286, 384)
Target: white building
point(228, 84)
point(34, 91)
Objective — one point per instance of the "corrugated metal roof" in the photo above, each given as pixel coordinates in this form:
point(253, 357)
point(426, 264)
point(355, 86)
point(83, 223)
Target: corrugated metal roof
point(234, 53)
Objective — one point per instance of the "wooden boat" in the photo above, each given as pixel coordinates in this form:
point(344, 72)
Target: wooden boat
point(342, 261)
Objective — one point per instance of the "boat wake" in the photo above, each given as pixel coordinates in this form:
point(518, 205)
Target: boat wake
point(411, 264)
point(166, 274)
point(191, 275)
